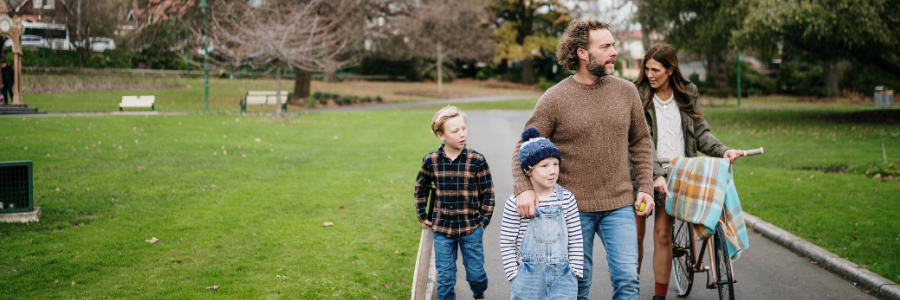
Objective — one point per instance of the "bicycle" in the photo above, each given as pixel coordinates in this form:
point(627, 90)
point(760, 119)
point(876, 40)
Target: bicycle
point(686, 262)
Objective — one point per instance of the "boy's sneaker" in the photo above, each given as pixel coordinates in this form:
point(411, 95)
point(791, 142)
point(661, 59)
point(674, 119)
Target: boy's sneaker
point(478, 297)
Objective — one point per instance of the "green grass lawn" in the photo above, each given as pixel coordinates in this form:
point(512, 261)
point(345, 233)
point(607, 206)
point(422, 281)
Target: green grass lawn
point(225, 94)
point(245, 219)
point(229, 210)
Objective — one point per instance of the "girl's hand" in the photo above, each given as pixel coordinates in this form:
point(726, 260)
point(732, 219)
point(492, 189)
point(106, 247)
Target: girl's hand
point(732, 155)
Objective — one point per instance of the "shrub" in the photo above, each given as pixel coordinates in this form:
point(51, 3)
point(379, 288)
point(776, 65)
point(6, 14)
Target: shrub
point(483, 73)
point(367, 99)
point(310, 101)
point(378, 99)
point(317, 95)
point(543, 84)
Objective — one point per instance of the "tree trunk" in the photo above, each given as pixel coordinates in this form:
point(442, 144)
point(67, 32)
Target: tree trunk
point(830, 76)
point(716, 71)
point(439, 67)
point(301, 83)
point(645, 38)
point(330, 71)
point(528, 71)
point(79, 34)
point(278, 91)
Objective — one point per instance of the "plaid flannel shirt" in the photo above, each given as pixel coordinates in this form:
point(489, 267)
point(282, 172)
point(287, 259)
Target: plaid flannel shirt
point(464, 189)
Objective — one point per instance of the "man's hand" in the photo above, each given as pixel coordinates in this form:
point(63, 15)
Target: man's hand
point(732, 155)
point(426, 224)
point(646, 198)
point(525, 203)
point(660, 186)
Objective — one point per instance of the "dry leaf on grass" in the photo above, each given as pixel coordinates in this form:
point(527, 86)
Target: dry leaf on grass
point(56, 281)
point(73, 283)
point(387, 285)
point(812, 262)
point(152, 240)
point(215, 287)
point(855, 237)
point(862, 266)
point(328, 224)
point(341, 207)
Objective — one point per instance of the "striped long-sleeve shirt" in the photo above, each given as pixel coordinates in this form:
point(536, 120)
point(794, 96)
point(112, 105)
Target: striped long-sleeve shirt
point(513, 228)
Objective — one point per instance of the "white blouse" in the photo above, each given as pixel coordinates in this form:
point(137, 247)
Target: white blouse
point(670, 142)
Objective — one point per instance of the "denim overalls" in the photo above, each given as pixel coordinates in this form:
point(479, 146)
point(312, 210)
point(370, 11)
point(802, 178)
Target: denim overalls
point(544, 271)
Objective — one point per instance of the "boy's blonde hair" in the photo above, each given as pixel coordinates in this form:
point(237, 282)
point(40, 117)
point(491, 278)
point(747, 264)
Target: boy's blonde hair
point(437, 123)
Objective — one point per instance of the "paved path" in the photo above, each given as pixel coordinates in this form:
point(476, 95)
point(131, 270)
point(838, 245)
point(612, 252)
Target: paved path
point(765, 271)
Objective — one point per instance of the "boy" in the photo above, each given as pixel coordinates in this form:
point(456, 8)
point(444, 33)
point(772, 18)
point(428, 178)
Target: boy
point(550, 245)
point(461, 180)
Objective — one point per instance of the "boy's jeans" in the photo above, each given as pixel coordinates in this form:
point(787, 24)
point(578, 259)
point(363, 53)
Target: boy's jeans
point(472, 250)
point(618, 233)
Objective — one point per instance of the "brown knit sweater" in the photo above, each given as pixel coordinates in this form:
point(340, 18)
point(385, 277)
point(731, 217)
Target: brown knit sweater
point(595, 128)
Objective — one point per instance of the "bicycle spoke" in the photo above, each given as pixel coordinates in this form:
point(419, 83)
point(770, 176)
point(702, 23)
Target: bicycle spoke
point(682, 258)
point(724, 280)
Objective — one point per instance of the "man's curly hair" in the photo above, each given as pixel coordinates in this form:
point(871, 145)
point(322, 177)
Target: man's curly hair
point(577, 36)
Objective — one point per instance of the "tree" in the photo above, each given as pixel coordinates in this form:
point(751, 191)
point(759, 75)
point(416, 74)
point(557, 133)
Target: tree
point(830, 29)
point(438, 29)
point(698, 26)
point(279, 33)
point(516, 37)
point(87, 19)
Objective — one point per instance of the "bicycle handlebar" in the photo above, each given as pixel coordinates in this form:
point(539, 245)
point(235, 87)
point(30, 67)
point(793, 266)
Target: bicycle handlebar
point(745, 153)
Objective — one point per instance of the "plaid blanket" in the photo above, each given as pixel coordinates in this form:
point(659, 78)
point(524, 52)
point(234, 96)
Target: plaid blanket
point(702, 191)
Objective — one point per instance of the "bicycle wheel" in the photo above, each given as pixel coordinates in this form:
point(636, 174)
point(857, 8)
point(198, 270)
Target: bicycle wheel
point(683, 257)
point(725, 281)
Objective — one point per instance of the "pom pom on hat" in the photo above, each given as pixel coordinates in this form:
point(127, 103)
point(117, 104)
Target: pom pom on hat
point(535, 148)
point(530, 133)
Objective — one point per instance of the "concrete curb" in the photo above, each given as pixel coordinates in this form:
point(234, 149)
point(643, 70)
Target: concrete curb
point(882, 287)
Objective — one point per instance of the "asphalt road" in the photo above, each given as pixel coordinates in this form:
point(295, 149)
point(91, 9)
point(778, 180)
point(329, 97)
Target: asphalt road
point(765, 271)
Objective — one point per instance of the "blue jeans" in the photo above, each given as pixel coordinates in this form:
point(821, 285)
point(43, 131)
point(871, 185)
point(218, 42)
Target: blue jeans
point(618, 232)
point(472, 250)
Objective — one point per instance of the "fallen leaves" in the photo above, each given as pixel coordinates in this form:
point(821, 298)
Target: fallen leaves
point(73, 283)
point(326, 224)
point(258, 140)
point(215, 287)
point(341, 207)
point(813, 262)
point(388, 285)
point(56, 281)
point(855, 237)
point(152, 240)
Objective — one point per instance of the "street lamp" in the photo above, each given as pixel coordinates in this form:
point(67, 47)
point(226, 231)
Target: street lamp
point(205, 8)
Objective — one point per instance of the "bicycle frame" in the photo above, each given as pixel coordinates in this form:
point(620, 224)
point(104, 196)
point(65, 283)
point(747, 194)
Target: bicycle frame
point(698, 259)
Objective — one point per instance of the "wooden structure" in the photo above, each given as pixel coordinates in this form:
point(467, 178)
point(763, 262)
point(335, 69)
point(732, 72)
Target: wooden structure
point(12, 27)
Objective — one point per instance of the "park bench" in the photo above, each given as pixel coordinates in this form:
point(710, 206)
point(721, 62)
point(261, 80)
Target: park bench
point(135, 101)
point(264, 98)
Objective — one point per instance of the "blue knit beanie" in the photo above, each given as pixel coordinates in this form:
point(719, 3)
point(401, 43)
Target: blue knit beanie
point(535, 149)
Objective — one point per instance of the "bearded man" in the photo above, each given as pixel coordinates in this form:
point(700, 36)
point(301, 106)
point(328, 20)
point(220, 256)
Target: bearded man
point(597, 122)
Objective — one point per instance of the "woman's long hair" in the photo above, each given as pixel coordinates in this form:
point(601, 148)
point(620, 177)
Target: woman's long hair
point(665, 54)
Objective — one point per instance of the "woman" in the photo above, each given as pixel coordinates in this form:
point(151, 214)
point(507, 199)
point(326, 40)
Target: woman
point(678, 129)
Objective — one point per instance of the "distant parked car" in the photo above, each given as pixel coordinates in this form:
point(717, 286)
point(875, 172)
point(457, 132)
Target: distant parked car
point(99, 44)
point(29, 41)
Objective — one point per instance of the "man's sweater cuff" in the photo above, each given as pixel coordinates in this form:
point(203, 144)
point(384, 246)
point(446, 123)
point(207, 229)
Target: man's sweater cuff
point(518, 188)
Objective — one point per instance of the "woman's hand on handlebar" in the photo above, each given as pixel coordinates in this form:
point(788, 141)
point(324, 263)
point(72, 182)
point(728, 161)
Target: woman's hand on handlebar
point(732, 155)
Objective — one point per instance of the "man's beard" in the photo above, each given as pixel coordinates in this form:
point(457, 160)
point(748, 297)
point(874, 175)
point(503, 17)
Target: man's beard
point(598, 70)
